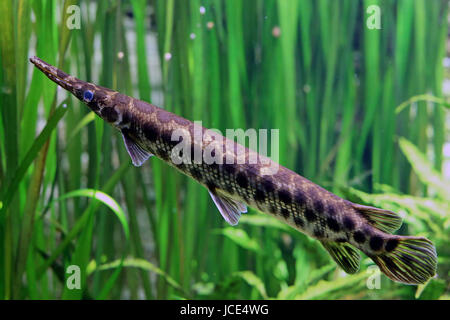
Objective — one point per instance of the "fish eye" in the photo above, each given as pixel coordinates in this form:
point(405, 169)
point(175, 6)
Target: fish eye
point(88, 95)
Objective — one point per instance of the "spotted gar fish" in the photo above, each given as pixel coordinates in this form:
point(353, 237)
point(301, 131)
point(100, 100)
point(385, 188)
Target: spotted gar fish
point(342, 227)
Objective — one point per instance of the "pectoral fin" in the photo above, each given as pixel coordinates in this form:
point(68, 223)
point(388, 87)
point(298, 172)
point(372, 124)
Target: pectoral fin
point(137, 154)
point(229, 208)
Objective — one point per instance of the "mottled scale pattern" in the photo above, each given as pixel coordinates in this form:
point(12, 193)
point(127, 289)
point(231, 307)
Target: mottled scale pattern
point(286, 195)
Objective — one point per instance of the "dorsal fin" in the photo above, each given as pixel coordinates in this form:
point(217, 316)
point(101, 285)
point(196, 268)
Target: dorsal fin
point(383, 220)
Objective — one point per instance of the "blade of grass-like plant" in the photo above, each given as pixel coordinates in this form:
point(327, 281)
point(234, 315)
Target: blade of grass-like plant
point(135, 263)
point(324, 288)
point(139, 12)
point(37, 178)
point(372, 39)
point(118, 211)
point(424, 169)
point(9, 112)
point(233, 12)
point(8, 191)
point(403, 52)
point(22, 32)
point(253, 281)
point(108, 187)
point(422, 97)
point(439, 49)
point(288, 18)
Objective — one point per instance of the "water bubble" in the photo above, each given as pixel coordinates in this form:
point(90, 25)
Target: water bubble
point(202, 10)
point(192, 36)
point(276, 31)
point(446, 62)
point(167, 56)
point(120, 55)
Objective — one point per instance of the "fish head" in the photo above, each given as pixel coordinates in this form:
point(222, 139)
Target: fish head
point(95, 97)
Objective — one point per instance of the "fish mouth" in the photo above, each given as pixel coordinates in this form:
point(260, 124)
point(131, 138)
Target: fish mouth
point(59, 77)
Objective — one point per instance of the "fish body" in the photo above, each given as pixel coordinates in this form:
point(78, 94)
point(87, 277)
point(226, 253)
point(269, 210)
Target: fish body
point(234, 182)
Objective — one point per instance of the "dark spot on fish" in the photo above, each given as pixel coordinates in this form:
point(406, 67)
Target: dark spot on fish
point(164, 154)
point(341, 240)
point(260, 195)
point(318, 205)
point(333, 224)
point(299, 221)
point(376, 242)
point(229, 189)
point(109, 114)
point(284, 196)
point(273, 209)
point(318, 233)
point(181, 166)
point(125, 131)
point(391, 244)
point(242, 180)
point(93, 106)
point(268, 185)
point(300, 198)
point(229, 168)
point(150, 132)
point(359, 237)
point(167, 139)
point(196, 173)
point(331, 210)
point(211, 186)
point(126, 118)
point(310, 215)
point(349, 224)
point(251, 176)
point(285, 213)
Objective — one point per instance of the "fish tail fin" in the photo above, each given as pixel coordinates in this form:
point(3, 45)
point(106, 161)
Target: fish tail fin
point(384, 220)
point(410, 260)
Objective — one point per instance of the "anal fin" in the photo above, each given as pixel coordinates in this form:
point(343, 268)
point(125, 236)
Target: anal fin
point(137, 153)
point(229, 208)
point(344, 254)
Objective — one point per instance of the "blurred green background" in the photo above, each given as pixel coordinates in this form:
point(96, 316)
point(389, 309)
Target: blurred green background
point(362, 112)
